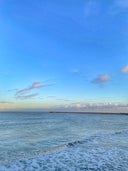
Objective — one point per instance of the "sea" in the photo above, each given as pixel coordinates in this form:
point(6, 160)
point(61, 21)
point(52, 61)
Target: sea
point(35, 141)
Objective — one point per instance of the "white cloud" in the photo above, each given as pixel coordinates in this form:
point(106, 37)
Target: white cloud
point(96, 107)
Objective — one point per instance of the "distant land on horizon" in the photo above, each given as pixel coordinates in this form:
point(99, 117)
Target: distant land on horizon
point(75, 112)
point(90, 112)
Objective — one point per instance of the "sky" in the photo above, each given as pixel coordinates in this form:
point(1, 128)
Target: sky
point(68, 55)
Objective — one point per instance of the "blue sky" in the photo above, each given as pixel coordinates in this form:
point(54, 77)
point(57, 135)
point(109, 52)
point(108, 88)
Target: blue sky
point(65, 55)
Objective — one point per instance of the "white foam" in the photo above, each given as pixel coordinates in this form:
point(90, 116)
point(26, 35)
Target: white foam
point(75, 158)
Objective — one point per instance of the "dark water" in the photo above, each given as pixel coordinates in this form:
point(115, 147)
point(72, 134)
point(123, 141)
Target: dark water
point(43, 141)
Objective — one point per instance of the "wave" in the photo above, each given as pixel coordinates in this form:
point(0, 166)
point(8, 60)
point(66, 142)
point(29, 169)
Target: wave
point(71, 159)
point(97, 137)
point(75, 156)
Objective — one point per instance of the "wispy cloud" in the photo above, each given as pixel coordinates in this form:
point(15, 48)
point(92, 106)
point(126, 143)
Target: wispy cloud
point(122, 4)
point(11, 90)
point(75, 71)
point(6, 102)
point(63, 99)
point(124, 69)
point(119, 6)
point(24, 97)
point(51, 96)
point(24, 93)
point(91, 8)
point(35, 85)
point(102, 78)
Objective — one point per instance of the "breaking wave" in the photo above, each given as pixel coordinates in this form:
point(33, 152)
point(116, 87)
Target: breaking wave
point(88, 154)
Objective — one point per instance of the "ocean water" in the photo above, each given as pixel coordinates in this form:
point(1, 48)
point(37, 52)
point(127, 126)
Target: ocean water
point(32, 141)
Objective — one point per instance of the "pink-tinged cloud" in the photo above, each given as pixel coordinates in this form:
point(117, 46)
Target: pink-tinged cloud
point(24, 93)
point(35, 85)
point(102, 78)
point(124, 69)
